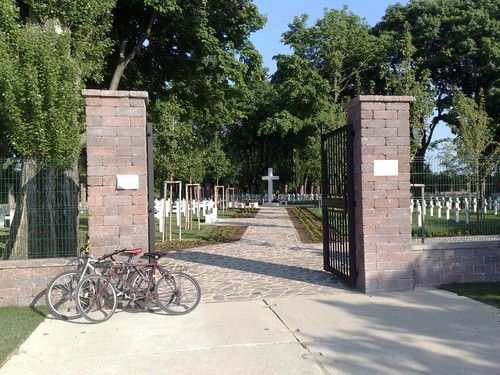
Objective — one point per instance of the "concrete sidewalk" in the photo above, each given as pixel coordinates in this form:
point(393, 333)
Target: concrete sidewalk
point(267, 308)
point(421, 332)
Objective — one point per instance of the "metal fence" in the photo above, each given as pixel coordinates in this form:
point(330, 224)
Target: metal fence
point(42, 214)
point(455, 199)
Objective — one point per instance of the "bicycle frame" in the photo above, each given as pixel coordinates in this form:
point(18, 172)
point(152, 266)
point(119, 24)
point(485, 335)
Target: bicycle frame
point(175, 293)
point(119, 277)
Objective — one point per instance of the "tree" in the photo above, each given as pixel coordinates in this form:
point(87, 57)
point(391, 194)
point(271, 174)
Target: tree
point(402, 77)
point(473, 127)
point(194, 55)
point(457, 41)
point(42, 66)
point(217, 164)
point(196, 51)
point(467, 154)
point(246, 148)
point(328, 67)
point(177, 151)
point(475, 140)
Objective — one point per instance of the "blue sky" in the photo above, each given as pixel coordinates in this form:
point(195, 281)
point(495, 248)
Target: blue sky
point(280, 13)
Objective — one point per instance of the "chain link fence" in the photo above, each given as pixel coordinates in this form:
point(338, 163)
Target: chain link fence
point(42, 209)
point(455, 199)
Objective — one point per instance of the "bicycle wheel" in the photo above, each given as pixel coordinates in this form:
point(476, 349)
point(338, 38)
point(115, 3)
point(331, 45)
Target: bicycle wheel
point(141, 280)
point(60, 295)
point(177, 293)
point(96, 298)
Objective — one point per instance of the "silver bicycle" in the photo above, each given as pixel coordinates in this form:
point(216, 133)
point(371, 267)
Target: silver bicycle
point(60, 292)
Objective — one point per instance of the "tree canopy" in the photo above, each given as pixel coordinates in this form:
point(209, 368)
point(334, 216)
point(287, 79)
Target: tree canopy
point(196, 51)
point(216, 115)
point(458, 43)
point(46, 54)
point(327, 67)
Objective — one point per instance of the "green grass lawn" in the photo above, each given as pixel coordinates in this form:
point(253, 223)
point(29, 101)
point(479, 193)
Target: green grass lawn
point(16, 324)
point(316, 211)
point(487, 292)
point(440, 227)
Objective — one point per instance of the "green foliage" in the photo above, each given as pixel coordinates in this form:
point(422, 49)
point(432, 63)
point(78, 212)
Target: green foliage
point(458, 43)
point(196, 60)
point(308, 162)
point(339, 47)
point(472, 126)
point(327, 68)
point(217, 165)
point(196, 51)
point(226, 233)
point(41, 98)
point(87, 21)
point(209, 234)
point(247, 212)
point(46, 54)
point(181, 153)
point(403, 77)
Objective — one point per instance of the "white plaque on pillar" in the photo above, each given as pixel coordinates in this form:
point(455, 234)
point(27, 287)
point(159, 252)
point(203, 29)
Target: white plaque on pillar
point(385, 168)
point(127, 182)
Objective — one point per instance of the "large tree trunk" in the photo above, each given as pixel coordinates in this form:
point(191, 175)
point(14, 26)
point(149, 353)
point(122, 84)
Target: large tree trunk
point(45, 223)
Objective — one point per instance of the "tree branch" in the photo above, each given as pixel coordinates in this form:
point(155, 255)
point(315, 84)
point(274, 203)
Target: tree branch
point(124, 59)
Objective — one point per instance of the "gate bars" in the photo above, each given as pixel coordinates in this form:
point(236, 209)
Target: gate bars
point(339, 256)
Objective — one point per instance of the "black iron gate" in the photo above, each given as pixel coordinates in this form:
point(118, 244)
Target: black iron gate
point(339, 256)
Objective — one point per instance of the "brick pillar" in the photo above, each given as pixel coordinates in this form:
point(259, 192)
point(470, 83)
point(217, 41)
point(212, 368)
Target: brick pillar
point(117, 169)
point(381, 154)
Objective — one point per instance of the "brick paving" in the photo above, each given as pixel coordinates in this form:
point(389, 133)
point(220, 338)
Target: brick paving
point(268, 262)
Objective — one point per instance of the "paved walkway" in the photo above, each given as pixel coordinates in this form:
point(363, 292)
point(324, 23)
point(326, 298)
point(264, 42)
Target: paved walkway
point(269, 261)
point(280, 315)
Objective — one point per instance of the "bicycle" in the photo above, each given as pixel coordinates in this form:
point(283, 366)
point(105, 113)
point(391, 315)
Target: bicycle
point(175, 293)
point(60, 292)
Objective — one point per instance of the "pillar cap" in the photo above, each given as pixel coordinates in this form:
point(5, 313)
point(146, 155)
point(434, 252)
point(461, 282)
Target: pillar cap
point(380, 98)
point(116, 94)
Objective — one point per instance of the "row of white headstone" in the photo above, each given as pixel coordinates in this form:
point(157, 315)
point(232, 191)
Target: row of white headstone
point(436, 205)
point(246, 198)
point(238, 204)
point(206, 208)
point(299, 197)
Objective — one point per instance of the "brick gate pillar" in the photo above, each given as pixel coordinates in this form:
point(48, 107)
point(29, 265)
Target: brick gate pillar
point(381, 153)
point(117, 169)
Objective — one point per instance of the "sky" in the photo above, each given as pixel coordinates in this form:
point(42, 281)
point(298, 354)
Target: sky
point(280, 14)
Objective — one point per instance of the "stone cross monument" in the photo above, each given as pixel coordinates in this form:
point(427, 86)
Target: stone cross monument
point(270, 178)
